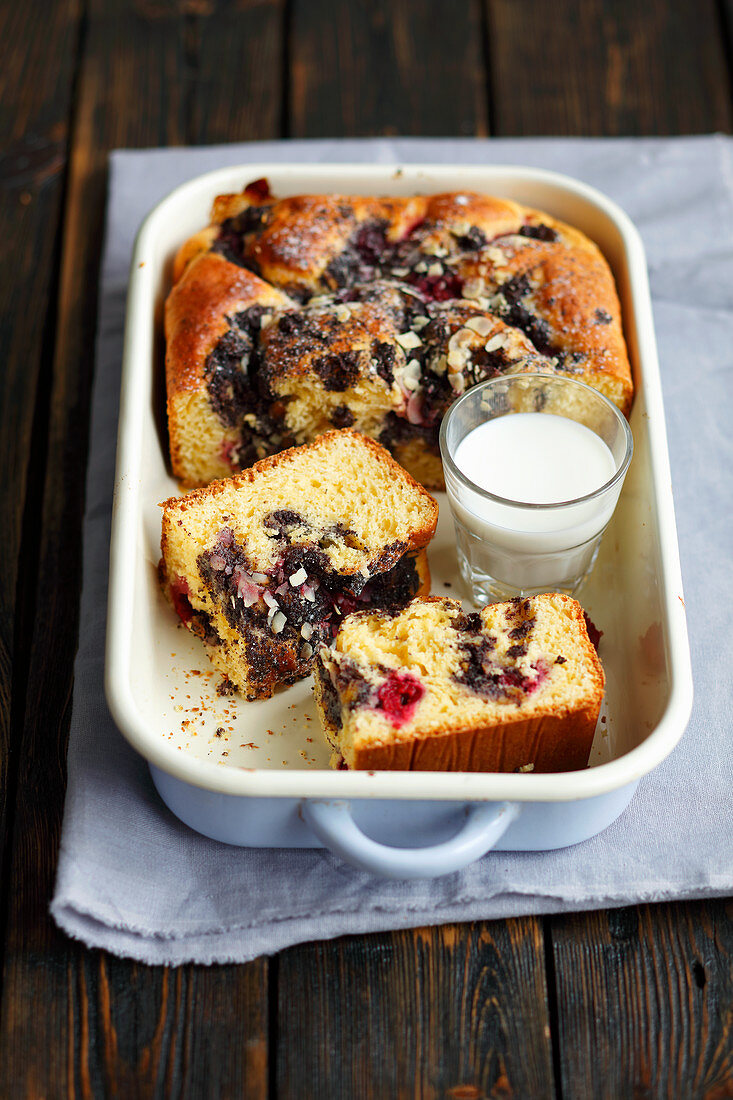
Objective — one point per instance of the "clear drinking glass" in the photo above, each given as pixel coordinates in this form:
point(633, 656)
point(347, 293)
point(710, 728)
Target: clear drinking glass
point(511, 548)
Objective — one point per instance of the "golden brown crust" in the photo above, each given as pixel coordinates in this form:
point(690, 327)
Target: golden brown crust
point(355, 331)
point(197, 311)
point(572, 291)
point(197, 315)
point(460, 248)
point(552, 743)
point(193, 247)
point(306, 232)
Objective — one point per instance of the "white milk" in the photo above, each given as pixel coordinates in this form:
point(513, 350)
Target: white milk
point(535, 458)
point(531, 458)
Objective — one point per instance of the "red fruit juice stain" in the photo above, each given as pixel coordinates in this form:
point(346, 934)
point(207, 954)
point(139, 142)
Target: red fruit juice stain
point(181, 602)
point(399, 696)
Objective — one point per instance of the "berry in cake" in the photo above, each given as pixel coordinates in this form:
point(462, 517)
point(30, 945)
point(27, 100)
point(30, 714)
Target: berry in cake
point(515, 687)
point(292, 316)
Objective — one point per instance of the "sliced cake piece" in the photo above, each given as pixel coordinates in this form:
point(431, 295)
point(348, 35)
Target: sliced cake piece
point(516, 687)
point(263, 566)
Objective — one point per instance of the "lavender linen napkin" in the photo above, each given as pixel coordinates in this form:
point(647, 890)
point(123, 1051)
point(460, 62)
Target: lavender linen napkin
point(135, 881)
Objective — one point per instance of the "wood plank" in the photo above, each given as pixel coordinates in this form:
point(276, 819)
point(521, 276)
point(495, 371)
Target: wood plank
point(411, 67)
point(102, 1022)
point(607, 67)
point(36, 75)
point(458, 1011)
point(645, 1001)
point(153, 1031)
point(726, 31)
point(239, 76)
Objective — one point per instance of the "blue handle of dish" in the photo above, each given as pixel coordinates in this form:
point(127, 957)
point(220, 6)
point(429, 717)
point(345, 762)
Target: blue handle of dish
point(334, 826)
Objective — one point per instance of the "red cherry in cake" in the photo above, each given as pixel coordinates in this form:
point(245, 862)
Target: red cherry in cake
point(441, 288)
point(399, 696)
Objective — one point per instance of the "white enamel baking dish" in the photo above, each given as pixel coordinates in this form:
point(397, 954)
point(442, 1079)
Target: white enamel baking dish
point(255, 774)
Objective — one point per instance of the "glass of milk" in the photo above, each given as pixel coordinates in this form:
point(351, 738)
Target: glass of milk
point(534, 465)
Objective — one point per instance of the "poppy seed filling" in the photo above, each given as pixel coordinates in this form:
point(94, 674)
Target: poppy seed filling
point(285, 614)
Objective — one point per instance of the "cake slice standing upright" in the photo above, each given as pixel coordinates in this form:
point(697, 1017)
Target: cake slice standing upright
point(515, 687)
point(264, 565)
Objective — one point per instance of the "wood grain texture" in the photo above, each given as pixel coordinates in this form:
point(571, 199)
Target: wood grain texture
point(149, 1031)
point(96, 1020)
point(36, 78)
point(237, 59)
point(645, 1001)
point(457, 1011)
point(409, 67)
point(607, 67)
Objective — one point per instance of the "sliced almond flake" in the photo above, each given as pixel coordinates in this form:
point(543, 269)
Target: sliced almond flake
point(462, 338)
point(435, 269)
point(278, 622)
point(419, 323)
point(408, 340)
point(474, 288)
point(458, 383)
point(412, 367)
point(260, 578)
point(480, 325)
point(306, 651)
point(299, 577)
point(439, 365)
point(400, 272)
point(421, 266)
point(497, 341)
point(457, 358)
point(306, 631)
point(343, 313)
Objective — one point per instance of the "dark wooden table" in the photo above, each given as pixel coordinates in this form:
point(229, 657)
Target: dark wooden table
point(626, 1003)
